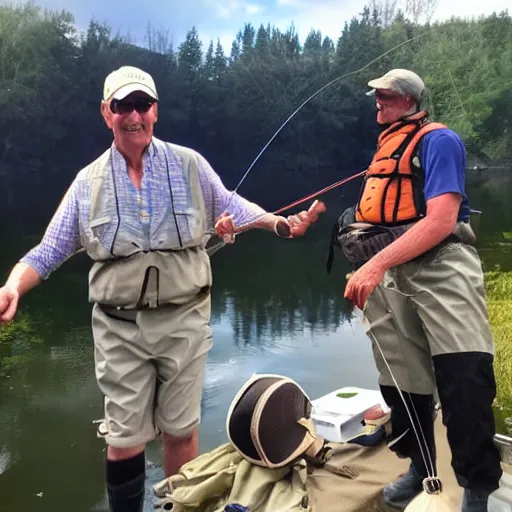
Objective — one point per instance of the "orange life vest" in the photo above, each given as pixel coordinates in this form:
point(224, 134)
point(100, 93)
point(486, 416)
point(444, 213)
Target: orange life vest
point(392, 190)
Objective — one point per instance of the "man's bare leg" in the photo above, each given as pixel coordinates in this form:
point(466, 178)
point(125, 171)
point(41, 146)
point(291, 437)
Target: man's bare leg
point(123, 453)
point(178, 451)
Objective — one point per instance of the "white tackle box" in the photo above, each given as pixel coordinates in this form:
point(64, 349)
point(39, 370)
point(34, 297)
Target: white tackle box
point(338, 418)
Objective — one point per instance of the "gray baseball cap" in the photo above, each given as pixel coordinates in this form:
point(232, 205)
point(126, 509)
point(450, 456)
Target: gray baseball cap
point(401, 81)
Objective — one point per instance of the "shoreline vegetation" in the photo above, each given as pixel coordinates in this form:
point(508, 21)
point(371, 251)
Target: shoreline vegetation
point(499, 302)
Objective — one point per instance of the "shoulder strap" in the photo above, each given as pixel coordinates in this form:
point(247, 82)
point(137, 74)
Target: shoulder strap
point(412, 156)
point(428, 127)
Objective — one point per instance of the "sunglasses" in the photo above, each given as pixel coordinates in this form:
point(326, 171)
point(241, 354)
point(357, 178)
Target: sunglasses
point(386, 96)
point(122, 107)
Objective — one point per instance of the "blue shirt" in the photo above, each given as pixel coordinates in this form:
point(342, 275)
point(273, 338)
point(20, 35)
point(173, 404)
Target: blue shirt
point(443, 156)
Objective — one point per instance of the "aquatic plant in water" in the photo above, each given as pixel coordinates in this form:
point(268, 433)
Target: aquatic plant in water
point(16, 343)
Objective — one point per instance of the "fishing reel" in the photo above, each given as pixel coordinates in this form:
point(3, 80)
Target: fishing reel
point(282, 228)
point(225, 227)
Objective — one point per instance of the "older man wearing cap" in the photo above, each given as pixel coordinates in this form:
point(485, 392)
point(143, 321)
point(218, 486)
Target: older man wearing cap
point(143, 211)
point(420, 284)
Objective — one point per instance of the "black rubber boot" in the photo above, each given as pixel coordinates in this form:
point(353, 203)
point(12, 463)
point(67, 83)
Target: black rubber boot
point(467, 388)
point(404, 441)
point(127, 497)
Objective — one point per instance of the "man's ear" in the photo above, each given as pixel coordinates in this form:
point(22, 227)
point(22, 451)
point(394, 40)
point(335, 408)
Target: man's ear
point(411, 102)
point(106, 113)
point(155, 106)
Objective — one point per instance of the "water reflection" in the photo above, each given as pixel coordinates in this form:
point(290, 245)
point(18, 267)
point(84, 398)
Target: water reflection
point(494, 198)
point(274, 310)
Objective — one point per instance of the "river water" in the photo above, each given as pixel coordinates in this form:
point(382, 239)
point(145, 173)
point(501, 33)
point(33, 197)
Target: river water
point(275, 310)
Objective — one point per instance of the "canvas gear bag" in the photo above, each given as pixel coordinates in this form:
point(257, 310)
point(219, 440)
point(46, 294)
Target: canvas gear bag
point(223, 477)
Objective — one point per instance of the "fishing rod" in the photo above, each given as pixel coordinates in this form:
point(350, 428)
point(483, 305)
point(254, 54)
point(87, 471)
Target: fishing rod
point(281, 228)
point(315, 207)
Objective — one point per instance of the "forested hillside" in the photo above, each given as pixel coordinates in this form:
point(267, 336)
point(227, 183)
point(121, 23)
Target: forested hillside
point(228, 102)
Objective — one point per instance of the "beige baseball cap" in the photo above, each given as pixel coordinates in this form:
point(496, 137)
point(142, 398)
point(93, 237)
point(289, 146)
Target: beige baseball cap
point(401, 81)
point(127, 79)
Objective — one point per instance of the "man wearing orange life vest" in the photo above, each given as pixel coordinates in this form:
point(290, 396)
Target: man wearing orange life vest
point(420, 285)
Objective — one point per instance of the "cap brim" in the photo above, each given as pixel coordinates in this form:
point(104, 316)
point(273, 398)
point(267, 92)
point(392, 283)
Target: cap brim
point(126, 90)
point(381, 83)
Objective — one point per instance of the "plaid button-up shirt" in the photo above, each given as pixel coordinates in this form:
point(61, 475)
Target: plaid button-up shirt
point(62, 237)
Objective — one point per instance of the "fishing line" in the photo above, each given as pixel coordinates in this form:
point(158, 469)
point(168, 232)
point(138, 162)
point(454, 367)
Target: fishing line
point(457, 93)
point(309, 99)
point(429, 465)
point(254, 80)
point(431, 471)
point(432, 474)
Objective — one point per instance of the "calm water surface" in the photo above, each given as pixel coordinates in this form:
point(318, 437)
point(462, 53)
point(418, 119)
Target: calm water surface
point(274, 310)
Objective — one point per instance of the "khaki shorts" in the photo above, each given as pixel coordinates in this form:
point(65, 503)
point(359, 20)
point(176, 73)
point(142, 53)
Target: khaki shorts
point(432, 305)
point(150, 366)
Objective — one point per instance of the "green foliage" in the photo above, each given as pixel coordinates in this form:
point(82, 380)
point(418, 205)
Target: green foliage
point(499, 285)
point(18, 332)
point(17, 340)
point(499, 303)
point(228, 105)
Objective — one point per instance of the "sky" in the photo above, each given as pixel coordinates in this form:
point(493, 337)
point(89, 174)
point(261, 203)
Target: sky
point(223, 18)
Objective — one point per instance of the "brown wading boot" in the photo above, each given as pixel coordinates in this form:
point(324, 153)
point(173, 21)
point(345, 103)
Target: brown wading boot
point(400, 493)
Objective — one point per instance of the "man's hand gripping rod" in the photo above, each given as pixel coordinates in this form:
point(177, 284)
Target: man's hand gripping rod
point(296, 225)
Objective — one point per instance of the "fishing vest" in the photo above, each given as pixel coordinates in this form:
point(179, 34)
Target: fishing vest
point(174, 267)
point(392, 191)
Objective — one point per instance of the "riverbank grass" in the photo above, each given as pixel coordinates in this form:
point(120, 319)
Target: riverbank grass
point(499, 302)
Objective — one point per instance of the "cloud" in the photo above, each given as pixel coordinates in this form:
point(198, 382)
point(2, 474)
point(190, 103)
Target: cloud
point(223, 18)
point(329, 16)
point(464, 9)
point(254, 8)
point(226, 9)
